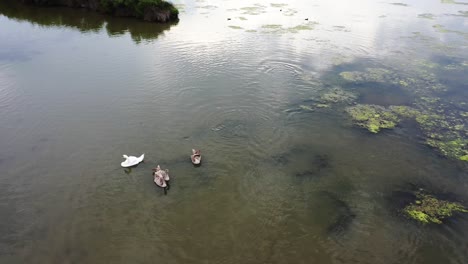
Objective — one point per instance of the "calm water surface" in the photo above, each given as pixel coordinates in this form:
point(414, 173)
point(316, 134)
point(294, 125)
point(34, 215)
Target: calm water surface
point(278, 184)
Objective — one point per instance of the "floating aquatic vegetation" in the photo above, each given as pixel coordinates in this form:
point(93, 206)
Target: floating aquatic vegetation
point(332, 96)
point(276, 28)
point(209, 7)
point(180, 7)
point(256, 9)
point(341, 29)
point(372, 117)
point(307, 26)
point(421, 78)
point(462, 13)
point(405, 111)
point(442, 122)
point(370, 75)
point(452, 2)
point(426, 15)
point(441, 29)
point(456, 66)
point(306, 108)
point(272, 26)
point(425, 64)
point(451, 148)
point(278, 4)
point(399, 4)
point(443, 126)
point(322, 105)
point(441, 131)
point(340, 59)
point(242, 18)
point(236, 27)
point(337, 95)
point(422, 37)
point(428, 209)
point(251, 30)
point(289, 12)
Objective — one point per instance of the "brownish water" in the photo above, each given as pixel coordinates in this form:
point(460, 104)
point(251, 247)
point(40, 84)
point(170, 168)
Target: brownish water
point(78, 90)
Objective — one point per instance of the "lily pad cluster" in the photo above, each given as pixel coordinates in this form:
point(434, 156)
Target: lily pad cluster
point(428, 209)
point(373, 117)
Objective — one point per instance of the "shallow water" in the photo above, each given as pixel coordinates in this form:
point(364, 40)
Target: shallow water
point(279, 183)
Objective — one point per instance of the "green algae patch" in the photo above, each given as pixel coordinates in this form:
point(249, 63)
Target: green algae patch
point(404, 111)
point(370, 75)
point(444, 131)
point(256, 9)
point(289, 12)
point(242, 18)
point(399, 4)
point(441, 29)
point(279, 5)
point(209, 7)
point(428, 209)
point(322, 105)
point(451, 148)
point(373, 117)
point(442, 122)
point(422, 79)
point(251, 31)
point(462, 13)
point(307, 26)
point(452, 2)
point(426, 16)
point(337, 95)
point(306, 108)
point(272, 26)
point(235, 27)
point(276, 28)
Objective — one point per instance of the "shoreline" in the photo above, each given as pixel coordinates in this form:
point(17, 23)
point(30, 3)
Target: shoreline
point(158, 11)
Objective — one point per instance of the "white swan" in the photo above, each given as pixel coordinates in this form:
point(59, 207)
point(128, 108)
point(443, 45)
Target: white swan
point(131, 160)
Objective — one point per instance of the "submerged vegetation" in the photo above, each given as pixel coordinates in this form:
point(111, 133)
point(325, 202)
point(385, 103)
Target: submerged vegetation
point(442, 122)
point(373, 117)
point(428, 209)
point(148, 10)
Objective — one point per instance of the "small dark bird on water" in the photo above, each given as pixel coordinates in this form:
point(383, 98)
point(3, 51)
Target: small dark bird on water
point(229, 19)
point(281, 10)
point(306, 19)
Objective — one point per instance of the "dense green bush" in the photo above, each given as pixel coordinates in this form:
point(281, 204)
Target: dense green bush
point(136, 8)
point(139, 6)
